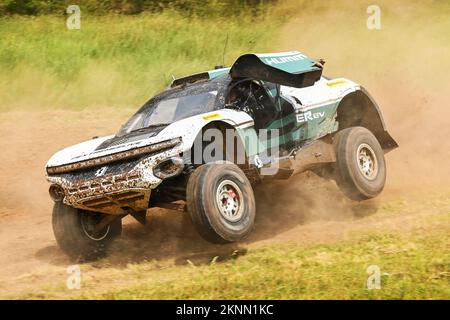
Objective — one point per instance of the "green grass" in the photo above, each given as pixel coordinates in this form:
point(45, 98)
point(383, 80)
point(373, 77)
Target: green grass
point(414, 264)
point(412, 267)
point(121, 61)
point(116, 60)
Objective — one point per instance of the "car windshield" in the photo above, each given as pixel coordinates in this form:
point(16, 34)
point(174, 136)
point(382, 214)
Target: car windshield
point(173, 107)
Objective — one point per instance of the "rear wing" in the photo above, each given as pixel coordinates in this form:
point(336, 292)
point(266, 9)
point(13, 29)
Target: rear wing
point(293, 69)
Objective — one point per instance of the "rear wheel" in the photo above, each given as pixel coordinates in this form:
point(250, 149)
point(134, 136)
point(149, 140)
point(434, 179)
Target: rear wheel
point(360, 165)
point(220, 202)
point(77, 234)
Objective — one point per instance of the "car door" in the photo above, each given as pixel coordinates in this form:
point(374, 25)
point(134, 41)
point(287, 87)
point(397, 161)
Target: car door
point(273, 120)
point(314, 109)
point(285, 120)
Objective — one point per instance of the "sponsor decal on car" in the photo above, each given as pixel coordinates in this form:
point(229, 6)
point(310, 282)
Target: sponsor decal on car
point(211, 116)
point(279, 60)
point(101, 171)
point(337, 82)
point(309, 115)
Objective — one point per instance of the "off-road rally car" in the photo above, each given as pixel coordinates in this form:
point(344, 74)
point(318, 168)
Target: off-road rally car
point(201, 145)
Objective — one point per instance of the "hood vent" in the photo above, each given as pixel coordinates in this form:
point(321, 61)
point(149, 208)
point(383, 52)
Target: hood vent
point(129, 138)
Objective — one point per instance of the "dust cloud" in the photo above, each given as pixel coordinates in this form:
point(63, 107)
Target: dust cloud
point(404, 65)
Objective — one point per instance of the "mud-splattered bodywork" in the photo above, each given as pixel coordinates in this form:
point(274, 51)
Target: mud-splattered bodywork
point(116, 187)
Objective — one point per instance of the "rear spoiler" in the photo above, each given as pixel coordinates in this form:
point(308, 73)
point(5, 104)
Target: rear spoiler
point(292, 69)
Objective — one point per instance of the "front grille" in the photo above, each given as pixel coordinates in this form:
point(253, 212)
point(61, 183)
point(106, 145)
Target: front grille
point(122, 156)
point(116, 168)
point(96, 186)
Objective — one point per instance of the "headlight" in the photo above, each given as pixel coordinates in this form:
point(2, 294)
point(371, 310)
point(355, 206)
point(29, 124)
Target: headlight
point(56, 192)
point(157, 147)
point(169, 168)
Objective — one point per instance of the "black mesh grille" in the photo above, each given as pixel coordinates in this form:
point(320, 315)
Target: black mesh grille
point(116, 168)
point(131, 137)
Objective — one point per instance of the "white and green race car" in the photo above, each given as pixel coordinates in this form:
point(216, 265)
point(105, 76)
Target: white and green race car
point(202, 144)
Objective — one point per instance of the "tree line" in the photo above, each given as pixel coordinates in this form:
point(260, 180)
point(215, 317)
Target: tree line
point(130, 7)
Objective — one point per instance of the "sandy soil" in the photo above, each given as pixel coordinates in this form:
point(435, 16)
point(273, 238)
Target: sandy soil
point(303, 209)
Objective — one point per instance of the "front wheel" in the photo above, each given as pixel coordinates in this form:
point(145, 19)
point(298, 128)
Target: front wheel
point(76, 233)
point(360, 166)
point(220, 202)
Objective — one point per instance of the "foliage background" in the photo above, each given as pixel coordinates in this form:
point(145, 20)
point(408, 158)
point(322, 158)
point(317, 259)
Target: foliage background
point(130, 7)
point(116, 59)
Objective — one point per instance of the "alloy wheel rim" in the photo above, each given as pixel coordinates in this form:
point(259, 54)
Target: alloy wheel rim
point(229, 200)
point(367, 161)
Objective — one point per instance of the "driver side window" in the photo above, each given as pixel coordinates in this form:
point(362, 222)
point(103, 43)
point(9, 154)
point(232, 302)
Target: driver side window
point(249, 96)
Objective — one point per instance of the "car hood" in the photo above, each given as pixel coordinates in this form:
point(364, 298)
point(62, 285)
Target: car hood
point(187, 129)
point(101, 147)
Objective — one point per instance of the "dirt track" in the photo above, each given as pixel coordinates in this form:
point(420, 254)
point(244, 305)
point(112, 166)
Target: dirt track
point(305, 209)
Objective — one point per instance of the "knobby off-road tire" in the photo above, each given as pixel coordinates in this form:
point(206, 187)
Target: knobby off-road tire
point(220, 202)
point(75, 236)
point(360, 167)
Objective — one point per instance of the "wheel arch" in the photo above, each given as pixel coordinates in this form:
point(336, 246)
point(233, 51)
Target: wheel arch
point(358, 108)
point(223, 125)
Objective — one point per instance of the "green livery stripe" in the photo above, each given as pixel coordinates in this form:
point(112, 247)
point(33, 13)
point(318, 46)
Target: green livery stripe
point(277, 124)
point(218, 72)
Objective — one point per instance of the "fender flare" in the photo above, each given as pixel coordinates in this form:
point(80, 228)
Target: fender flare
point(223, 123)
point(358, 108)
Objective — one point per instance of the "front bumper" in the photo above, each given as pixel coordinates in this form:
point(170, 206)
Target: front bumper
point(115, 188)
